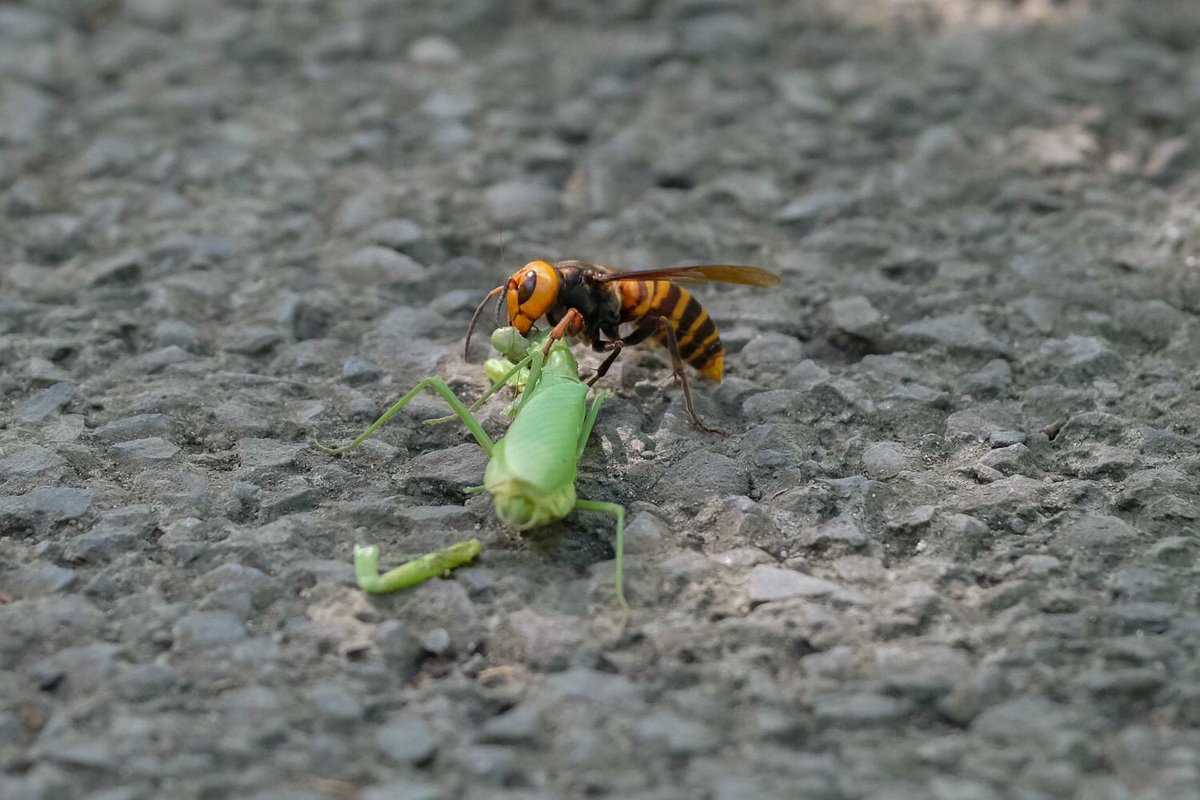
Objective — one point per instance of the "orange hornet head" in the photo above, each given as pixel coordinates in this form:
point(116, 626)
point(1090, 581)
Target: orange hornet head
point(530, 292)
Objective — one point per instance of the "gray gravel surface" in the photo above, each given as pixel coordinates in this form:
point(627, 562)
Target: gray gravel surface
point(948, 550)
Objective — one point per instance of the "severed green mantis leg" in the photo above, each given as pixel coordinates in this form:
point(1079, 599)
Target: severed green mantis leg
point(366, 559)
point(430, 565)
point(439, 386)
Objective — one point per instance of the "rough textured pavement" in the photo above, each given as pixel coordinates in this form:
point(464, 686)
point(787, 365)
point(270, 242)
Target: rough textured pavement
point(948, 550)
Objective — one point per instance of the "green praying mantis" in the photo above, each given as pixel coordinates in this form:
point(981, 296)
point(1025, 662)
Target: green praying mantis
point(531, 469)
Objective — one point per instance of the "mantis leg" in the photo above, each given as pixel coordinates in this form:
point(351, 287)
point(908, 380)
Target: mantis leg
point(430, 565)
point(479, 401)
point(439, 386)
point(536, 359)
point(500, 384)
point(589, 422)
point(618, 511)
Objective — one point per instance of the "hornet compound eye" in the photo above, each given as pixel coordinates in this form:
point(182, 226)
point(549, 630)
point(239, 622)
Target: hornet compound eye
point(525, 291)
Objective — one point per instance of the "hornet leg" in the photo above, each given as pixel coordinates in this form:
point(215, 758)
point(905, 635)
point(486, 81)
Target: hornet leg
point(636, 336)
point(641, 333)
point(615, 350)
point(570, 325)
point(677, 361)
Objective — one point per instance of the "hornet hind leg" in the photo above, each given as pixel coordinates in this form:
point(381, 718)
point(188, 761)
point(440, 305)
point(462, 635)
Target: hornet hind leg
point(662, 327)
point(668, 332)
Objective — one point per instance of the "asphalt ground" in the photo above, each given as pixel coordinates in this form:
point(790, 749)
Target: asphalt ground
point(947, 550)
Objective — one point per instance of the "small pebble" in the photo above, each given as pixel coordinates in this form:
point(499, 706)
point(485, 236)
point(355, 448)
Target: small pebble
point(406, 739)
point(769, 583)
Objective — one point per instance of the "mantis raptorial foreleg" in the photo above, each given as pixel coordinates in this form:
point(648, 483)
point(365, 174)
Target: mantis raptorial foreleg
point(430, 565)
point(439, 386)
point(534, 361)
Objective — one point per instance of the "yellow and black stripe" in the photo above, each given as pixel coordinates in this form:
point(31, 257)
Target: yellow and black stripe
point(695, 333)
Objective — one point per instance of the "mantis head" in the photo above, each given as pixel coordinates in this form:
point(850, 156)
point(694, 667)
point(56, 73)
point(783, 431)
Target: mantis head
point(509, 342)
point(519, 512)
point(522, 512)
point(522, 506)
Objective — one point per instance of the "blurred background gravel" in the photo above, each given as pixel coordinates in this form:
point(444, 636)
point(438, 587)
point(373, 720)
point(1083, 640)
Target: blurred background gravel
point(948, 550)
